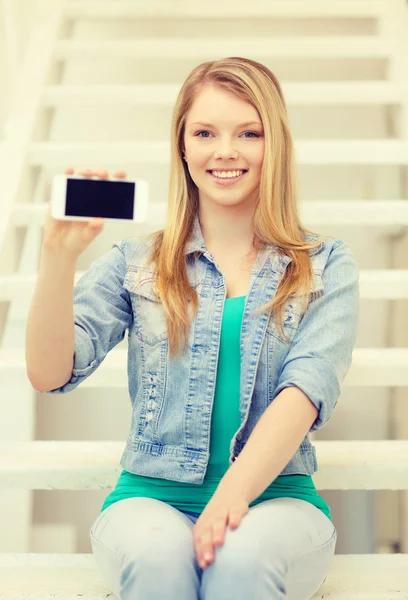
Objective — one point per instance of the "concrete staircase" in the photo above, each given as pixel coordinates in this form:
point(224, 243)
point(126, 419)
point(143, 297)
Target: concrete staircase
point(27, 161)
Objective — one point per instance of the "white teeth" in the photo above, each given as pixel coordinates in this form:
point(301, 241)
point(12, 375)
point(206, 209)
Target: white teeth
point(227, 174)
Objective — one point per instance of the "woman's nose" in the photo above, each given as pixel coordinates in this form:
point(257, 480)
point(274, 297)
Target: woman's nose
point(225, 150)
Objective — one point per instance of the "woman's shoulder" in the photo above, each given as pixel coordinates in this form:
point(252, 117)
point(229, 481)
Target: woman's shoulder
point(327, 245)
point(136, 249)
point(331, 252)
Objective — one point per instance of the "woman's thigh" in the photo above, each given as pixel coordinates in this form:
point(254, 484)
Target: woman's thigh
point(282, 549)
point(143, 548)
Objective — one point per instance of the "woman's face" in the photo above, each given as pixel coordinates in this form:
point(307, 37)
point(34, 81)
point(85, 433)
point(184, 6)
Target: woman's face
point(224, 133)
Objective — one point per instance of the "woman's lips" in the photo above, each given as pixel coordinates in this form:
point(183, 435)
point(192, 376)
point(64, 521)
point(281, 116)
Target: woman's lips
point(226, 180)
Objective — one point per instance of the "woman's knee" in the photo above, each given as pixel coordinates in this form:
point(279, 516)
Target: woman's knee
point(141, 543)
point(242, 554)
point(241, 569)
point(143, 525)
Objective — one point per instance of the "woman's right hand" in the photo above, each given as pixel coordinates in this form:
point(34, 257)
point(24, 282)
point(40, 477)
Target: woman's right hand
point(71, 238)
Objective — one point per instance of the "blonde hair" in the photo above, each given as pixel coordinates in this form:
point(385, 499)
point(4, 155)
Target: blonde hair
point(275, 220)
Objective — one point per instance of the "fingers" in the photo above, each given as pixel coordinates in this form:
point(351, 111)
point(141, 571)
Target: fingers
point(206, 552)
point(209, 539)
point(85, 173)
point(102, 173)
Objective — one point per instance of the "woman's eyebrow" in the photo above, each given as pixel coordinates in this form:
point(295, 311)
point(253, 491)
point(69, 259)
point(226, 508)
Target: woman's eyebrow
point(241, 125)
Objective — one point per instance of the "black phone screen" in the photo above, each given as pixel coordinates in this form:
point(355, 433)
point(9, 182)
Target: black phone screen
point(100, 198)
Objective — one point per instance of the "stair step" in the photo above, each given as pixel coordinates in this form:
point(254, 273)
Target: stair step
point(77, 577)
point(211, 48)
point(379, 367)
point(131, 9)
point(307, 152)
point(354, 212)
point(376, 283)
point(380, 213)
point(89, 465)
point(296, 93)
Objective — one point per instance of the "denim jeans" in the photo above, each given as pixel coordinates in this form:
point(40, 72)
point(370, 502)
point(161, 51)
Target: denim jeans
point(144, 550)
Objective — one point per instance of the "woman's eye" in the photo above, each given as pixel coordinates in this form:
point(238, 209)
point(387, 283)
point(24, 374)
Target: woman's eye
point(205, 131)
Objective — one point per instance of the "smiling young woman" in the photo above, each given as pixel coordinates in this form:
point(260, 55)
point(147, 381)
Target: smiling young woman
point(233, 362)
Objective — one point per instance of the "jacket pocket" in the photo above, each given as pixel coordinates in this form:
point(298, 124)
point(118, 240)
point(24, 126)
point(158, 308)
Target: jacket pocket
point(149, 317)
point(149, 322)
point(293, 312)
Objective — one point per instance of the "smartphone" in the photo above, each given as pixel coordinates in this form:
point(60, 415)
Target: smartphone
point(76, 198)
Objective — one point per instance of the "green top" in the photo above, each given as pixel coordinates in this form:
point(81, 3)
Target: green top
point(225, 421)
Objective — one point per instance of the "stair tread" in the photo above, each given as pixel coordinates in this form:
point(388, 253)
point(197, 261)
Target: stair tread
point(343, 464)
point(308, 46)
point(74, 576)
point(367, 357)
point(370, 212)
point(128, 9)
point(296, 93)
point(378, 367)
point(308, 152)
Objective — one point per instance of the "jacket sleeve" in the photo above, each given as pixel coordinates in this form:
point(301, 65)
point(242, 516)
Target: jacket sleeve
point(321, 352)
point(102, 313)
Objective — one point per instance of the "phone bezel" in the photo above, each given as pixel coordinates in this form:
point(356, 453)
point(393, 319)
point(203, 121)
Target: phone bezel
point(58, 199)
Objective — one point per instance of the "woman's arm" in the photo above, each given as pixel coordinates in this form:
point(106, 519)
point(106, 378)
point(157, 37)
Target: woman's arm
point(310, 378)
point(271, 445)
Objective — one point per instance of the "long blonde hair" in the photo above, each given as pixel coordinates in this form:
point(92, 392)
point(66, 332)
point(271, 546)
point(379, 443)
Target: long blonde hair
point(275, 221)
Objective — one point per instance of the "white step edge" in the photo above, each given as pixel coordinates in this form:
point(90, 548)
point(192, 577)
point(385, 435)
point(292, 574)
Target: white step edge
point(209, 48)
point(378, 367)
point(90, 465)
point(354, 212)
point(77, 577)
point(360, 213)
point(388, 284)
point(296, 93)
point(131, 9)
point(307, 152)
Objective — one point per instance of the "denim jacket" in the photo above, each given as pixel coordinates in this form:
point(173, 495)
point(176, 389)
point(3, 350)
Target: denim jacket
point(172, 399)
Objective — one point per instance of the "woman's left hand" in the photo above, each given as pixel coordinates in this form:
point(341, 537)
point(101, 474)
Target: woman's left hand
point(225, 508)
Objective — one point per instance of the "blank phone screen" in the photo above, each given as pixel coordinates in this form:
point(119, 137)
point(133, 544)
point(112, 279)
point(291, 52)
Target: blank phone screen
point(100, 198)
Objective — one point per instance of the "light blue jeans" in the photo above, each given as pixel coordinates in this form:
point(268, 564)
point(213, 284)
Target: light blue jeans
point(281, 549)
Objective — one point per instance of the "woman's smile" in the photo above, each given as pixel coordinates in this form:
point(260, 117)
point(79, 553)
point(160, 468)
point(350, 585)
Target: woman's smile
point(229, 179)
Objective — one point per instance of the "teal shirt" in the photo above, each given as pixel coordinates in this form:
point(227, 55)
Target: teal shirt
point(225, 421)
